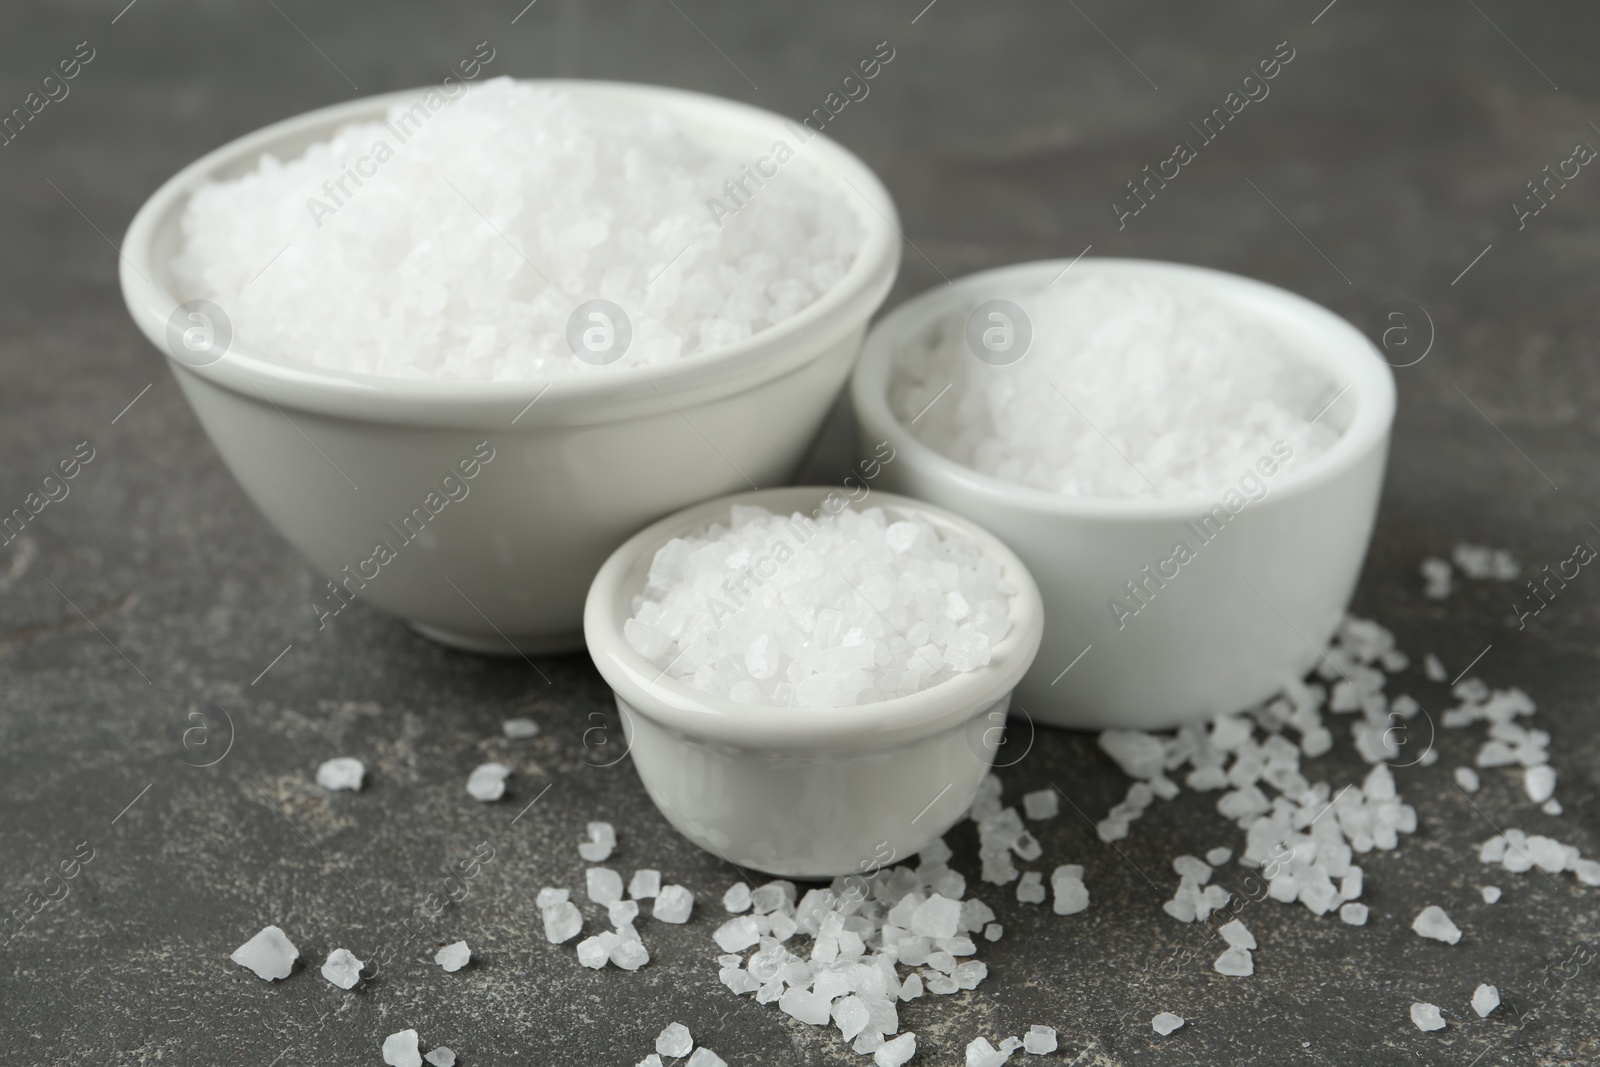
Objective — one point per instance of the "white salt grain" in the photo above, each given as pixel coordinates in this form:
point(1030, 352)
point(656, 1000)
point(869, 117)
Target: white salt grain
point(1354, 913)
point(982, 1054)
point(603, 885)
point(895, 1052)
point(475, 236)
point(794, 610)
point(341, 773)
point(1467, 779)
point(443, 1056)
point(342, 968)
point(704, 1057)
point(519, 729)
point(1130, 388)
point(270, 954)
point(488, 782)
point(400, 1050)
point(1236, 934)
point(1235, 963)
point(593, 952)
point(1166, 1022)
point(622, 912)
point(1030, 890)
point(1039, 1040)
point(1434, 923)
point(598, 845)
point(644, 884)
point(673, 904)
point(994, 931)
point(1218, 856)
point(651, 1060)
point(562, 922)
point(674, 1041)
point(737, 934)
point(1485, 999)
point(1433, 668)
point(1491, 894)
point(453, 957)
point(1427, 1016)
point(1043, 804)
point(737, 898)
point(1539, 782)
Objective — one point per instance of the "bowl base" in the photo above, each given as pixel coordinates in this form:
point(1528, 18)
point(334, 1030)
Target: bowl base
point(497, 644)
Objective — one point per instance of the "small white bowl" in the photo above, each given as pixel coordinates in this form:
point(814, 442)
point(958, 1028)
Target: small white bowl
point(807, 792)
point(1254, 607)
point(334, 458)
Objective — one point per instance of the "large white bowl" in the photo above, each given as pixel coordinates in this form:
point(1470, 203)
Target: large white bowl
point(1257, 604)
point(333, 458)
point(807, 792)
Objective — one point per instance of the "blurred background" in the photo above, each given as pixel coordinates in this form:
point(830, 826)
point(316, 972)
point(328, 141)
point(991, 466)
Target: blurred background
point(1387, 169)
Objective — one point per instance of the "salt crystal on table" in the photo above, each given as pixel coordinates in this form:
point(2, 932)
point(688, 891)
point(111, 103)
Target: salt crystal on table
point(1166, 1022)
point(1485, 999)
point(630, 954)
point(1552, 807)
point(737, 898)
point(1433, 922)
point(772, 896)
point(1030, 890)
point(1539, 782)
point(453, 957)
point(1354, 913)
point(603, 884)
point(1236, 934)
point(520, 729)
point(704, 1057)
point(1042, 804)
point(895, 1052)
point(597, 848)
point(270, 954)
point(805, 1006)
point(622, 912)
point(674, 1041)
point(341, 773)
point(737, 934)
point(911, 988)
point(1071, 895)
point(1433, 668)
point(400, 1050)
point(982, 1054)
point(562, 922)
point(1427, 1016)
point(644, 884)
point(1190, 867)
point(1467, 779)
point(851, 1016)
point(936, 917)
point(488, 782)
point(1218, 856)
point(673, 904)
point(443, 1056)
point(550, 896)
point(994, 931)
point(342, 968)
point(1491, 894)
point(593, 952)
point(1039, 1040)
point(651, 1060)
point(1235, 963)
point(1010, 1044)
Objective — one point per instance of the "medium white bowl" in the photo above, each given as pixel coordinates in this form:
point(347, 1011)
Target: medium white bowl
point(334, 458)
point(807, 792)
point(1257, 604)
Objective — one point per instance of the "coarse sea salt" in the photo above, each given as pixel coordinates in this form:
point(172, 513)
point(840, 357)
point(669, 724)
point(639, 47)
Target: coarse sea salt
point(270, 954)
point(443, 1056)
point(1432, 922)
point(1166, 1022)
point(487, 782)
point(481, 229)
point(1427, 1016)
point(342, 968)
point(600, 839)
point(819, 611)
point(454, 956)
point(1129, 388)
point(400, 1050)
point(342, 772)
point(519, 729)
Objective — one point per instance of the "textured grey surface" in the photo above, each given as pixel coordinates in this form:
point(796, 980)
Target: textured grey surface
point(1394, 144)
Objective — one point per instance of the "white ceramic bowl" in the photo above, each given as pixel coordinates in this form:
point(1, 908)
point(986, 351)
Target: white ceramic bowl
point(333, 458)
point(807, 792)
point(1259, 600)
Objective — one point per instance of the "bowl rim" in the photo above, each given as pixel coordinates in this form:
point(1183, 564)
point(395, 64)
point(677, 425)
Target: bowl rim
point(640, 683)
point(1371, 382)
point(150, 300)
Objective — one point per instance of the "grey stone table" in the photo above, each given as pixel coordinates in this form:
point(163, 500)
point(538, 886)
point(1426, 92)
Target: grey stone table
point(1383, 165)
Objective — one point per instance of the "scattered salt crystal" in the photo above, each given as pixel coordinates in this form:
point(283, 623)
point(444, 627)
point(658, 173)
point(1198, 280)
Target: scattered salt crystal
point(562, 922)
point(1435, 578)
point(1485, 999)
point(1166, 1022)
point(1354, 913)
point(1552, 807)
point(603, 884)
point(453, 957)
point(550, 896)
point(1039, 1040)
point(993, 932)
point(850, 1015)
point(341, 773)
point(1491, 894)
point(737, 934)
point(1539, 782)
point(674, 1041)
point(807, 1007)
point(1427, 1016)
point(1433, 668)
point(400, 1050)
point(1043, 804)
point(673, 904)
point(1235, 963)
point(520, 729)
point(270, 954)
point(488, 782)
point(1010, 1044)
point(1071, 895)
point(1433, 922)
point(895, 1052)
point(601, 840)
point(342, 968)
point(1237, 934)
point(936, 917)
point(1190, 867)
point(1140, 755)
point(737, 898)
point(644, 884)
point(982, 1054)
point(1218, 856)
point(1030, 890)
point(1467, 779)
point(622, 912)
point(1482, 562)
point(593, 952)
point(651, 1060)
point(816, 632)
point(704, 1057)
point(443, 1056)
